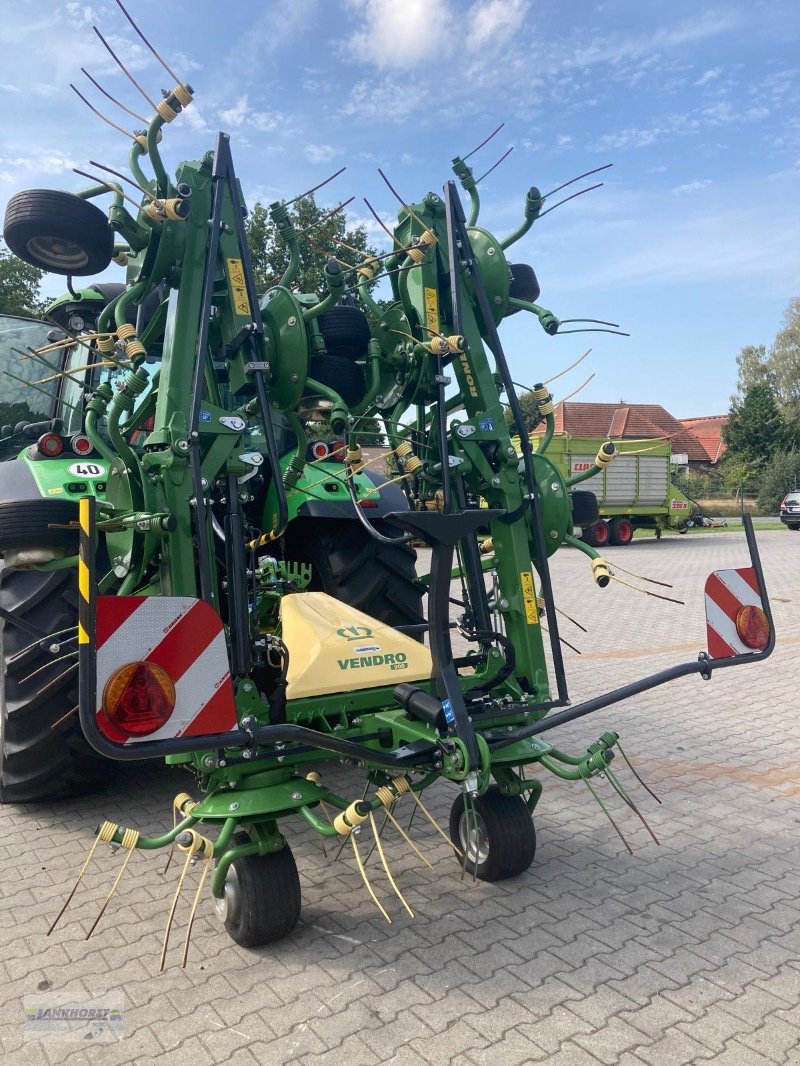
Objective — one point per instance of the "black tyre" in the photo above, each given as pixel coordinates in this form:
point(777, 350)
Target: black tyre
point(26, 523)
point(58, 232)
point(620, 530)
point(43, 755)
point(584, 507)
point(340, 374)
point(597, 534)
point(262, 897)
point(358, 570)
point(501, 841)
point(524, 285)
point(346, 331)
point(792, 525)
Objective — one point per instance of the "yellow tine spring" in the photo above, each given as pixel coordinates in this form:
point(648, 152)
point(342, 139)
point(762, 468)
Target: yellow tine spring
point(407, 838)
point(206, 868)
point(105, 835)
point(397, 891)
point(435, 824)
point(197, 844)
point(130, 838)
point(365, 879)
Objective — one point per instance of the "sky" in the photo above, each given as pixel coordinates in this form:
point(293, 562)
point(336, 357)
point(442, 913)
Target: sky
point(692, 244)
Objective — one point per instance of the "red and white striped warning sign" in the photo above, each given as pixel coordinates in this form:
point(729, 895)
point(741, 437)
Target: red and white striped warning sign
point(185, 637)
point(735, 623)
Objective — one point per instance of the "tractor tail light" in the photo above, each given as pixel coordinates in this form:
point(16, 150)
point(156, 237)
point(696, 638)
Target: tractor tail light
point(338, 450)
point(138, 698)
point(752, 625)
point(50, 444)
point(319, 449)
point(81, 445)
point(367, 503)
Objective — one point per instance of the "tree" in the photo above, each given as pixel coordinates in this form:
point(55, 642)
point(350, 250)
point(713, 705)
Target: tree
point(778, 367)
point(19, 286)
point(530, 413)
point(780, 475)
point(754, 430)
point(320, 235)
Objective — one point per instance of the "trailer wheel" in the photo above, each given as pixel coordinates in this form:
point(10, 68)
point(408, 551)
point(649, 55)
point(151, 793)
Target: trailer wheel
point(620, 531)
point(500, 842)
point(261, 902)
point(351, 566)
point(597, 534)
point(58, 232)
point(43, 753)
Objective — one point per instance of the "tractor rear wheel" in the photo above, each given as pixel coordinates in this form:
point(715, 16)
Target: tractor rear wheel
point(621, 531)
point(378, 579)
point(43, 753)
point(261, 901)
point(499, 841)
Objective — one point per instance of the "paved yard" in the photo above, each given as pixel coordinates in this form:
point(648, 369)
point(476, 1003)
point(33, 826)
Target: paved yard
point(684, 953)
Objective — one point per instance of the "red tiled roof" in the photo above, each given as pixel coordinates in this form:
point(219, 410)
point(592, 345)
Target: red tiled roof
point(628, 421)
point(708, 430)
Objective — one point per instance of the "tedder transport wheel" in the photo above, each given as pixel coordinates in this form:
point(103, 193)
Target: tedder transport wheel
point(358, 570)
point(500, 841)
point(620, 530)
point(58, 232)
point(262, 896)
point(44, 754)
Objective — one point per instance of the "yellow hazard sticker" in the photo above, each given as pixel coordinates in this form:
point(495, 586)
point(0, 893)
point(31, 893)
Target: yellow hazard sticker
point(432, 310)
point(238, 287)
point(529, 598)
point(55, 491)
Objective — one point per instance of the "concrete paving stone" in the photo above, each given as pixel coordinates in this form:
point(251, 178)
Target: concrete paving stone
point(642, 984)
point(696, 995)
point(655, 1017)
point(775, 1039)
point(674, 1048)
point(569, 1054)
point(737, 1054)
point(445, 1047)
point(716, 1027)
point(513, 1050)
point(552, 1030)
point(611, 1040)
point(736, 974)
point(755, 1003)
point(352, 1051)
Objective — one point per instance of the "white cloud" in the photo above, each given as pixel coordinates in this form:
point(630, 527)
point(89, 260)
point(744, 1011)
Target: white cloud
point(709, 75)
point(321, 153)
point(563, 140)
point(397, 34)
point(241, 115)
point(691, 186)
point(491, 22)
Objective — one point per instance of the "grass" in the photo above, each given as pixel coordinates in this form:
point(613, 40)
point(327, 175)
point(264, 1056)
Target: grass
point(733, 525)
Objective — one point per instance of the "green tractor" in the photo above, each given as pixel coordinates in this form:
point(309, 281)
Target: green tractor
point(185, 579)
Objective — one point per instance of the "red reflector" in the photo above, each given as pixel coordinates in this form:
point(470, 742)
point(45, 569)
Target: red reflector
point(81, 445)
point(338, 449)
point(50, 444)
point(319, 449)
point(138, 698)
point(752, 626)
point(367, 503)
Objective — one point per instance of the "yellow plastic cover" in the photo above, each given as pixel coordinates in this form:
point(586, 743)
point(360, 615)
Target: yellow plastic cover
point(335, 648)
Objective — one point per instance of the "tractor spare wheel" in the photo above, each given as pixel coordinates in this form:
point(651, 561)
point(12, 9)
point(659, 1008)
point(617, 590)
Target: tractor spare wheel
point(58, 232)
